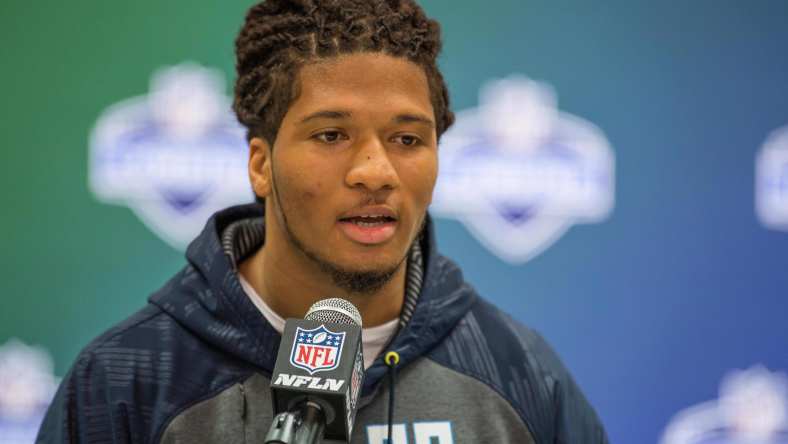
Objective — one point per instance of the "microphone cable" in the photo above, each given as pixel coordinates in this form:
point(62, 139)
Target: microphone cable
point(391, 359)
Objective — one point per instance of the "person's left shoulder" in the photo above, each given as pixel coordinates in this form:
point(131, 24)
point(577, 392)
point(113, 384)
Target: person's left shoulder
point(519, 364)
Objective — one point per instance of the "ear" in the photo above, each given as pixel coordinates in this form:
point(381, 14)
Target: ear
point(260, 166)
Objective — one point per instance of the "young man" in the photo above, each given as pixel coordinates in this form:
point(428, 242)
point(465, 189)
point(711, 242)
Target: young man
point(344, 107)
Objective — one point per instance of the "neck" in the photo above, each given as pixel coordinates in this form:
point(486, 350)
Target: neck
point(289, 282)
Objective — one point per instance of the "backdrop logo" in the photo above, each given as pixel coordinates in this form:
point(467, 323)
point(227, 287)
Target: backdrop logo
point(752, 409)
point(771, 181)
point(174, 156)
point(28, 386)
point(518, 172)
point(317, 350)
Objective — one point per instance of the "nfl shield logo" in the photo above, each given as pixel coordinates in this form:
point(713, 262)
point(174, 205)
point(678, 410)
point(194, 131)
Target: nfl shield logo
point(317, 350)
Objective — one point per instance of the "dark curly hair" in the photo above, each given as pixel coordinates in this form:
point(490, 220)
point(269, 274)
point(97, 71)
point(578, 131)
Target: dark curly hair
point(280, 36)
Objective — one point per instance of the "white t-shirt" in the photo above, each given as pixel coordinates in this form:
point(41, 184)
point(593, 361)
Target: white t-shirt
point(373, 339)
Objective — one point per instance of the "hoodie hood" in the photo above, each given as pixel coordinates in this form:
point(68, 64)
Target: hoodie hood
point(206, 297)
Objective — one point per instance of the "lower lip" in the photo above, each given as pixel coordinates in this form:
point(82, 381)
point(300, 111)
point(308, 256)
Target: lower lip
point(371, 235)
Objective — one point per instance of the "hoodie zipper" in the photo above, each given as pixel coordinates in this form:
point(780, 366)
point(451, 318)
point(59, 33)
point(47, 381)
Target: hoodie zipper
point(243, 400)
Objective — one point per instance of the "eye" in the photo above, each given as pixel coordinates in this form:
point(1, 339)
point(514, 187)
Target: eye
point(329, 137)
point(407, 140)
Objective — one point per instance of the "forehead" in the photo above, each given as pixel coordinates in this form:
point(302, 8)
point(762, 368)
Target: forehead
point(362, 80)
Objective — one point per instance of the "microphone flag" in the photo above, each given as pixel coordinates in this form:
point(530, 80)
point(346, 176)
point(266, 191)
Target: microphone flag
point(320, 362)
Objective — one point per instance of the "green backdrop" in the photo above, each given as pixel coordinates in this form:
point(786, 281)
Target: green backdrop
point(649, 309)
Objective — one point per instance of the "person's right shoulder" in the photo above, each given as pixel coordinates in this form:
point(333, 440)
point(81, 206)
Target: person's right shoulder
point(126, 384)
point(137, 332)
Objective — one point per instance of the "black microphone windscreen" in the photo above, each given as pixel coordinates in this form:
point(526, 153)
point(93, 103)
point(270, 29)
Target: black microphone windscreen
point(320, 360)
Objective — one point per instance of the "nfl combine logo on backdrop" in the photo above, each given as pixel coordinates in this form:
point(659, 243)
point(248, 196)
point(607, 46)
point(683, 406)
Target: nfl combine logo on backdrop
point(752, 409)
point(317, 350)
point(174, 156)
point(771, 181)
point(519, 173)
point(27, 386)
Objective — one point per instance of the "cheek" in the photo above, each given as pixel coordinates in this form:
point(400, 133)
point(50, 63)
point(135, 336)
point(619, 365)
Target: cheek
point(311, 191)
point(420, 174)
point(303, 190)
point(303, 185)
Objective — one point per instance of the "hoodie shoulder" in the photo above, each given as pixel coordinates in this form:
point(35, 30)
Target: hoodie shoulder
point(131, 380)
point(517, 363)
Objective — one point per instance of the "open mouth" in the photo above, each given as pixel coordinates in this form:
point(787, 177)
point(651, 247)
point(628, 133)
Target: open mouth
point(368, 221)
point(370, 229)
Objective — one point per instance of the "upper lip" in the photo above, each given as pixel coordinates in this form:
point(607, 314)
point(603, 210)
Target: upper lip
point(370, 211)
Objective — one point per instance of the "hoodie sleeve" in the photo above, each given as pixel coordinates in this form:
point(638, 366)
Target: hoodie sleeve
point(576, 420)
point(80, 412)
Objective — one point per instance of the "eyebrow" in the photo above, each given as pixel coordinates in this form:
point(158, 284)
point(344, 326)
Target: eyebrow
point(326, 115)
point(414, 118)
point(401, 118)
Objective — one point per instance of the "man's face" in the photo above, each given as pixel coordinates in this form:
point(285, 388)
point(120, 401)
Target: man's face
point(355, 162)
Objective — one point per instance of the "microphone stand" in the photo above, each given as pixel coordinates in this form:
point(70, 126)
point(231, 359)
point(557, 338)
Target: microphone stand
point(298, 426)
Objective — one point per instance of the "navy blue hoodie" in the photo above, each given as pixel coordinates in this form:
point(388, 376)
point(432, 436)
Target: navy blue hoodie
point(194, 365)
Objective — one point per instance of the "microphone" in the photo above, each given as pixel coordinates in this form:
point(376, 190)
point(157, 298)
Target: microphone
point(318, 375)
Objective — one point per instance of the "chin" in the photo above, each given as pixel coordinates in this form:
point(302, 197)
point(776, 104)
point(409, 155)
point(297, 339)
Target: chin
point(366, 266)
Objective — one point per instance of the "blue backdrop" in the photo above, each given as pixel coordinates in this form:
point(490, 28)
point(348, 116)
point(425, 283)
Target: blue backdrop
point(651, 304)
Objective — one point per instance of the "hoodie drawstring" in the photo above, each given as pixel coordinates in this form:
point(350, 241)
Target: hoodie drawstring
point(391, 359)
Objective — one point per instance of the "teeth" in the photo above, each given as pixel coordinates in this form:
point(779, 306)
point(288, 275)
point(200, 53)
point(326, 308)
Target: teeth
point(369, 220)
point(368, 224)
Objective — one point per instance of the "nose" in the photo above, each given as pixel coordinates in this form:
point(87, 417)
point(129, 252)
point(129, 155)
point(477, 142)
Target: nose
point(371, 167)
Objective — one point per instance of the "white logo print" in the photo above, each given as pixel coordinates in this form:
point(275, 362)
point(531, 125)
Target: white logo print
point(174, 156)
point(28, 385)
point(771, 181)
point(752, 409)
point(519, 173)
